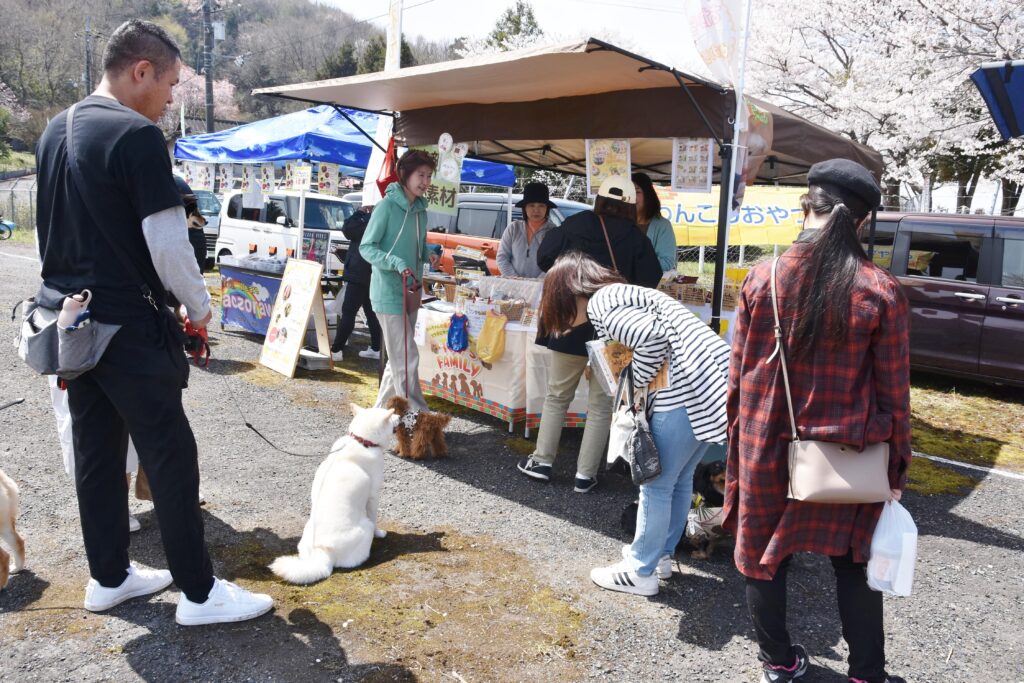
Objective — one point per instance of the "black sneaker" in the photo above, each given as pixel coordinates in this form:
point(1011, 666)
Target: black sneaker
point(584, 484)
point(782, 674)
point(532, 468)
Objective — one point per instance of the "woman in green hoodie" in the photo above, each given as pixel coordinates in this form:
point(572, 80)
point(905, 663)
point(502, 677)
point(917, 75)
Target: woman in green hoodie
point(395, 244)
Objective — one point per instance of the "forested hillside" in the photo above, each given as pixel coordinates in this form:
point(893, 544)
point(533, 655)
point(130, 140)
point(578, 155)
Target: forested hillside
point(43, 48)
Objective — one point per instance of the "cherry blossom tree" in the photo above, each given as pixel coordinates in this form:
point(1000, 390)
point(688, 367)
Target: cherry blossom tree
point(892, 74)
point(191, 93)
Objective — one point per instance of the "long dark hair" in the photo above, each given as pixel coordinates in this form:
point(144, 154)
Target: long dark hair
point(574, 274)
point(652, 203)
point(829, 274)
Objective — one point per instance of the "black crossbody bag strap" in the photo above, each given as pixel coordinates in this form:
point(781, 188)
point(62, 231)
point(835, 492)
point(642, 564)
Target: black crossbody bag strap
point(76, 174)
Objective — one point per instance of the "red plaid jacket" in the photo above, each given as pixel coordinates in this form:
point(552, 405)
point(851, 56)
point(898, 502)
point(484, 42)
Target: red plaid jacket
point(855, 393)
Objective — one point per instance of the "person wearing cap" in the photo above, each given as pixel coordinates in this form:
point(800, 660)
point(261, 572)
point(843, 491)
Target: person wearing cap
point(609, 236)
point(845, 335)
point(655, 226)
point(517, 253)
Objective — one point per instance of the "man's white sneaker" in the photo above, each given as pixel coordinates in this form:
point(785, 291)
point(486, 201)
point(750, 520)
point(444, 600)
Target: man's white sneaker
point(621, 577)
point(662, 571)
point(139, 582)
point(133, 524)
point(370, 353)
point(338, 356)
point(226, 603)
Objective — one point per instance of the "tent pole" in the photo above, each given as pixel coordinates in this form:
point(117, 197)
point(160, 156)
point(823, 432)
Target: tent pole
point(358, 127)
point(722, 246)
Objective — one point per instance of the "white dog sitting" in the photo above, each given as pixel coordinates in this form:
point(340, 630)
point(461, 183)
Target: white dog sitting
point(346, 494)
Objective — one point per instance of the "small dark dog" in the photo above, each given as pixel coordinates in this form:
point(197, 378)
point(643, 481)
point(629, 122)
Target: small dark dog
point(418, 433)
point(709, 484)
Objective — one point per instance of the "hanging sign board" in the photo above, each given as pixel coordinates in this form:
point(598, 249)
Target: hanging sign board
point(252, 193)
point(444, 183)
point(691, 164)
point(327, 178)
point(225, 177)
point(315, 245)
point(298, 297)
point(606, 157)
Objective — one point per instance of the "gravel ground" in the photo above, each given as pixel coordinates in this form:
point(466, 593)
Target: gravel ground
point(486, 526)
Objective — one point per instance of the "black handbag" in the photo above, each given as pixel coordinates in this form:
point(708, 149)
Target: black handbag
point(638, 449)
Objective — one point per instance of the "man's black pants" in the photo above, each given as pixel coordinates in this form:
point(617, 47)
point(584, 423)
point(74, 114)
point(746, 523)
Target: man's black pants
point(136, 389)
point(860, 611)
point(357, 295)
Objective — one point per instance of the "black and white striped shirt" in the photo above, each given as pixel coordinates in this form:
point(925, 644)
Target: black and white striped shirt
point(657, 327)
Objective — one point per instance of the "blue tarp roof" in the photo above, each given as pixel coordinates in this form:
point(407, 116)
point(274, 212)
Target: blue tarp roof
point(316, 134)
point(1002, 86)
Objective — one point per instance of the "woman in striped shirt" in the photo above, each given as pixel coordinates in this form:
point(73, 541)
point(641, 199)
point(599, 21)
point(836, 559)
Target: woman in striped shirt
point(684, 418)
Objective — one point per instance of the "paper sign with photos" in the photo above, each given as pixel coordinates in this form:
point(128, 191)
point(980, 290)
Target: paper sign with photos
point(225, 177)
point(252, 194)
point(692, 164)
point(202, 178)
point(605, 158)
point(266, 177)
point(327, 178)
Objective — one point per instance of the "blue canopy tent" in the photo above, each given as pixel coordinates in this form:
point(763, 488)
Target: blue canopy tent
point(1002, 86)
point(321, 133)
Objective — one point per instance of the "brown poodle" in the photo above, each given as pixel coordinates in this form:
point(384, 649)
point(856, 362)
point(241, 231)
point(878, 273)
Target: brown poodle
point(426, 433)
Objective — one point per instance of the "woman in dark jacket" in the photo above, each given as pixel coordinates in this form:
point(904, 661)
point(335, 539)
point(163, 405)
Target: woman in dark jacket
point(608, 235)
point(357, 289)
point(845, 333)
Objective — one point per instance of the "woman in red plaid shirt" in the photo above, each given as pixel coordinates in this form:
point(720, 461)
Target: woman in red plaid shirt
point(845, 327)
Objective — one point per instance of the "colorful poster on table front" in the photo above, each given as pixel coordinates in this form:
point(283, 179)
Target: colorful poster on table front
point(247, 299)
point(606, 157)
point(691, 164)
point(315, 245)
point(299, 293)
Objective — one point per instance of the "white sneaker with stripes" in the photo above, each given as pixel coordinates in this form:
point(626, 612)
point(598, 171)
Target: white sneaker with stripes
point(621, 577)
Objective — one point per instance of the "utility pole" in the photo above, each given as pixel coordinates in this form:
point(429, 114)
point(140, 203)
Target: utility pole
point(208, 64)
point(88, 55)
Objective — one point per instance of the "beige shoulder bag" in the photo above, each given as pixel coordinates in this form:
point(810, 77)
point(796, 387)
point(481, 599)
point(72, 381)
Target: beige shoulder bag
point(826, 472)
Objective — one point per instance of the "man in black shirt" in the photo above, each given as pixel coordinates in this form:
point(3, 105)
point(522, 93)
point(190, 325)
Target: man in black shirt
point(118, 229)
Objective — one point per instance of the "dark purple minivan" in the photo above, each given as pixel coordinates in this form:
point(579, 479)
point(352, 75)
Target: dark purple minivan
point(964, 276)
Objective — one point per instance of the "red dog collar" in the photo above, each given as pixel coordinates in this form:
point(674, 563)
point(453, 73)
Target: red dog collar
point(364, 442)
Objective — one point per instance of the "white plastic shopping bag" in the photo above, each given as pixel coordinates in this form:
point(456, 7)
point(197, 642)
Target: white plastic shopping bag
point(893, 551)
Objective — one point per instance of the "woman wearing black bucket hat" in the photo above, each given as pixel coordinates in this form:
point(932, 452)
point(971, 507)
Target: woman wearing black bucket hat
point(517, 254)
point(845, 341)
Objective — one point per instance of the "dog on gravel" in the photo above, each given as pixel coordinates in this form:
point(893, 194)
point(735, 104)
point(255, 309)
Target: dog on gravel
point(8, 532)
point(419, 432)
point(704, 530)
point(346, 495)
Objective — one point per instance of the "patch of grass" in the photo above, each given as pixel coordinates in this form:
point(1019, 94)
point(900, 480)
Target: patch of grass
point(58, 612)
point(16, 161)
point(969, 422)
point(434, 601)
point(519, 445)
point(931, 478)
point(21, 235)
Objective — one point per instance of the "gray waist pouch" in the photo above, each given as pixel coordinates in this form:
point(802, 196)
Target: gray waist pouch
point(50, 350)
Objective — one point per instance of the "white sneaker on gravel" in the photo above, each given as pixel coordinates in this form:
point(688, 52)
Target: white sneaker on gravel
point(139, 582)
point(226, 603)
point(621, 577)
point(338, 356)
point(370, 353)
point(662, 571)
point(133, 524)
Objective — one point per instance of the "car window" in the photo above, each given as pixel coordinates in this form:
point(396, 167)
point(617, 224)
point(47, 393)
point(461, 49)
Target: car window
point(1013, 263)
point(885, 237)
point(209, 205)
point(235, 206)
point(273, 208)
point(476, 222)
point(944, 252)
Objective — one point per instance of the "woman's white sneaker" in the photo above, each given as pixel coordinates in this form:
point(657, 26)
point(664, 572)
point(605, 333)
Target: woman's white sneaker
point(139, 582)
point(227, 602)
point(621, 577)
point(662, 571)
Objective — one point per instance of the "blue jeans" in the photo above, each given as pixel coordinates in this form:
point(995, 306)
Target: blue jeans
point(665, 501)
